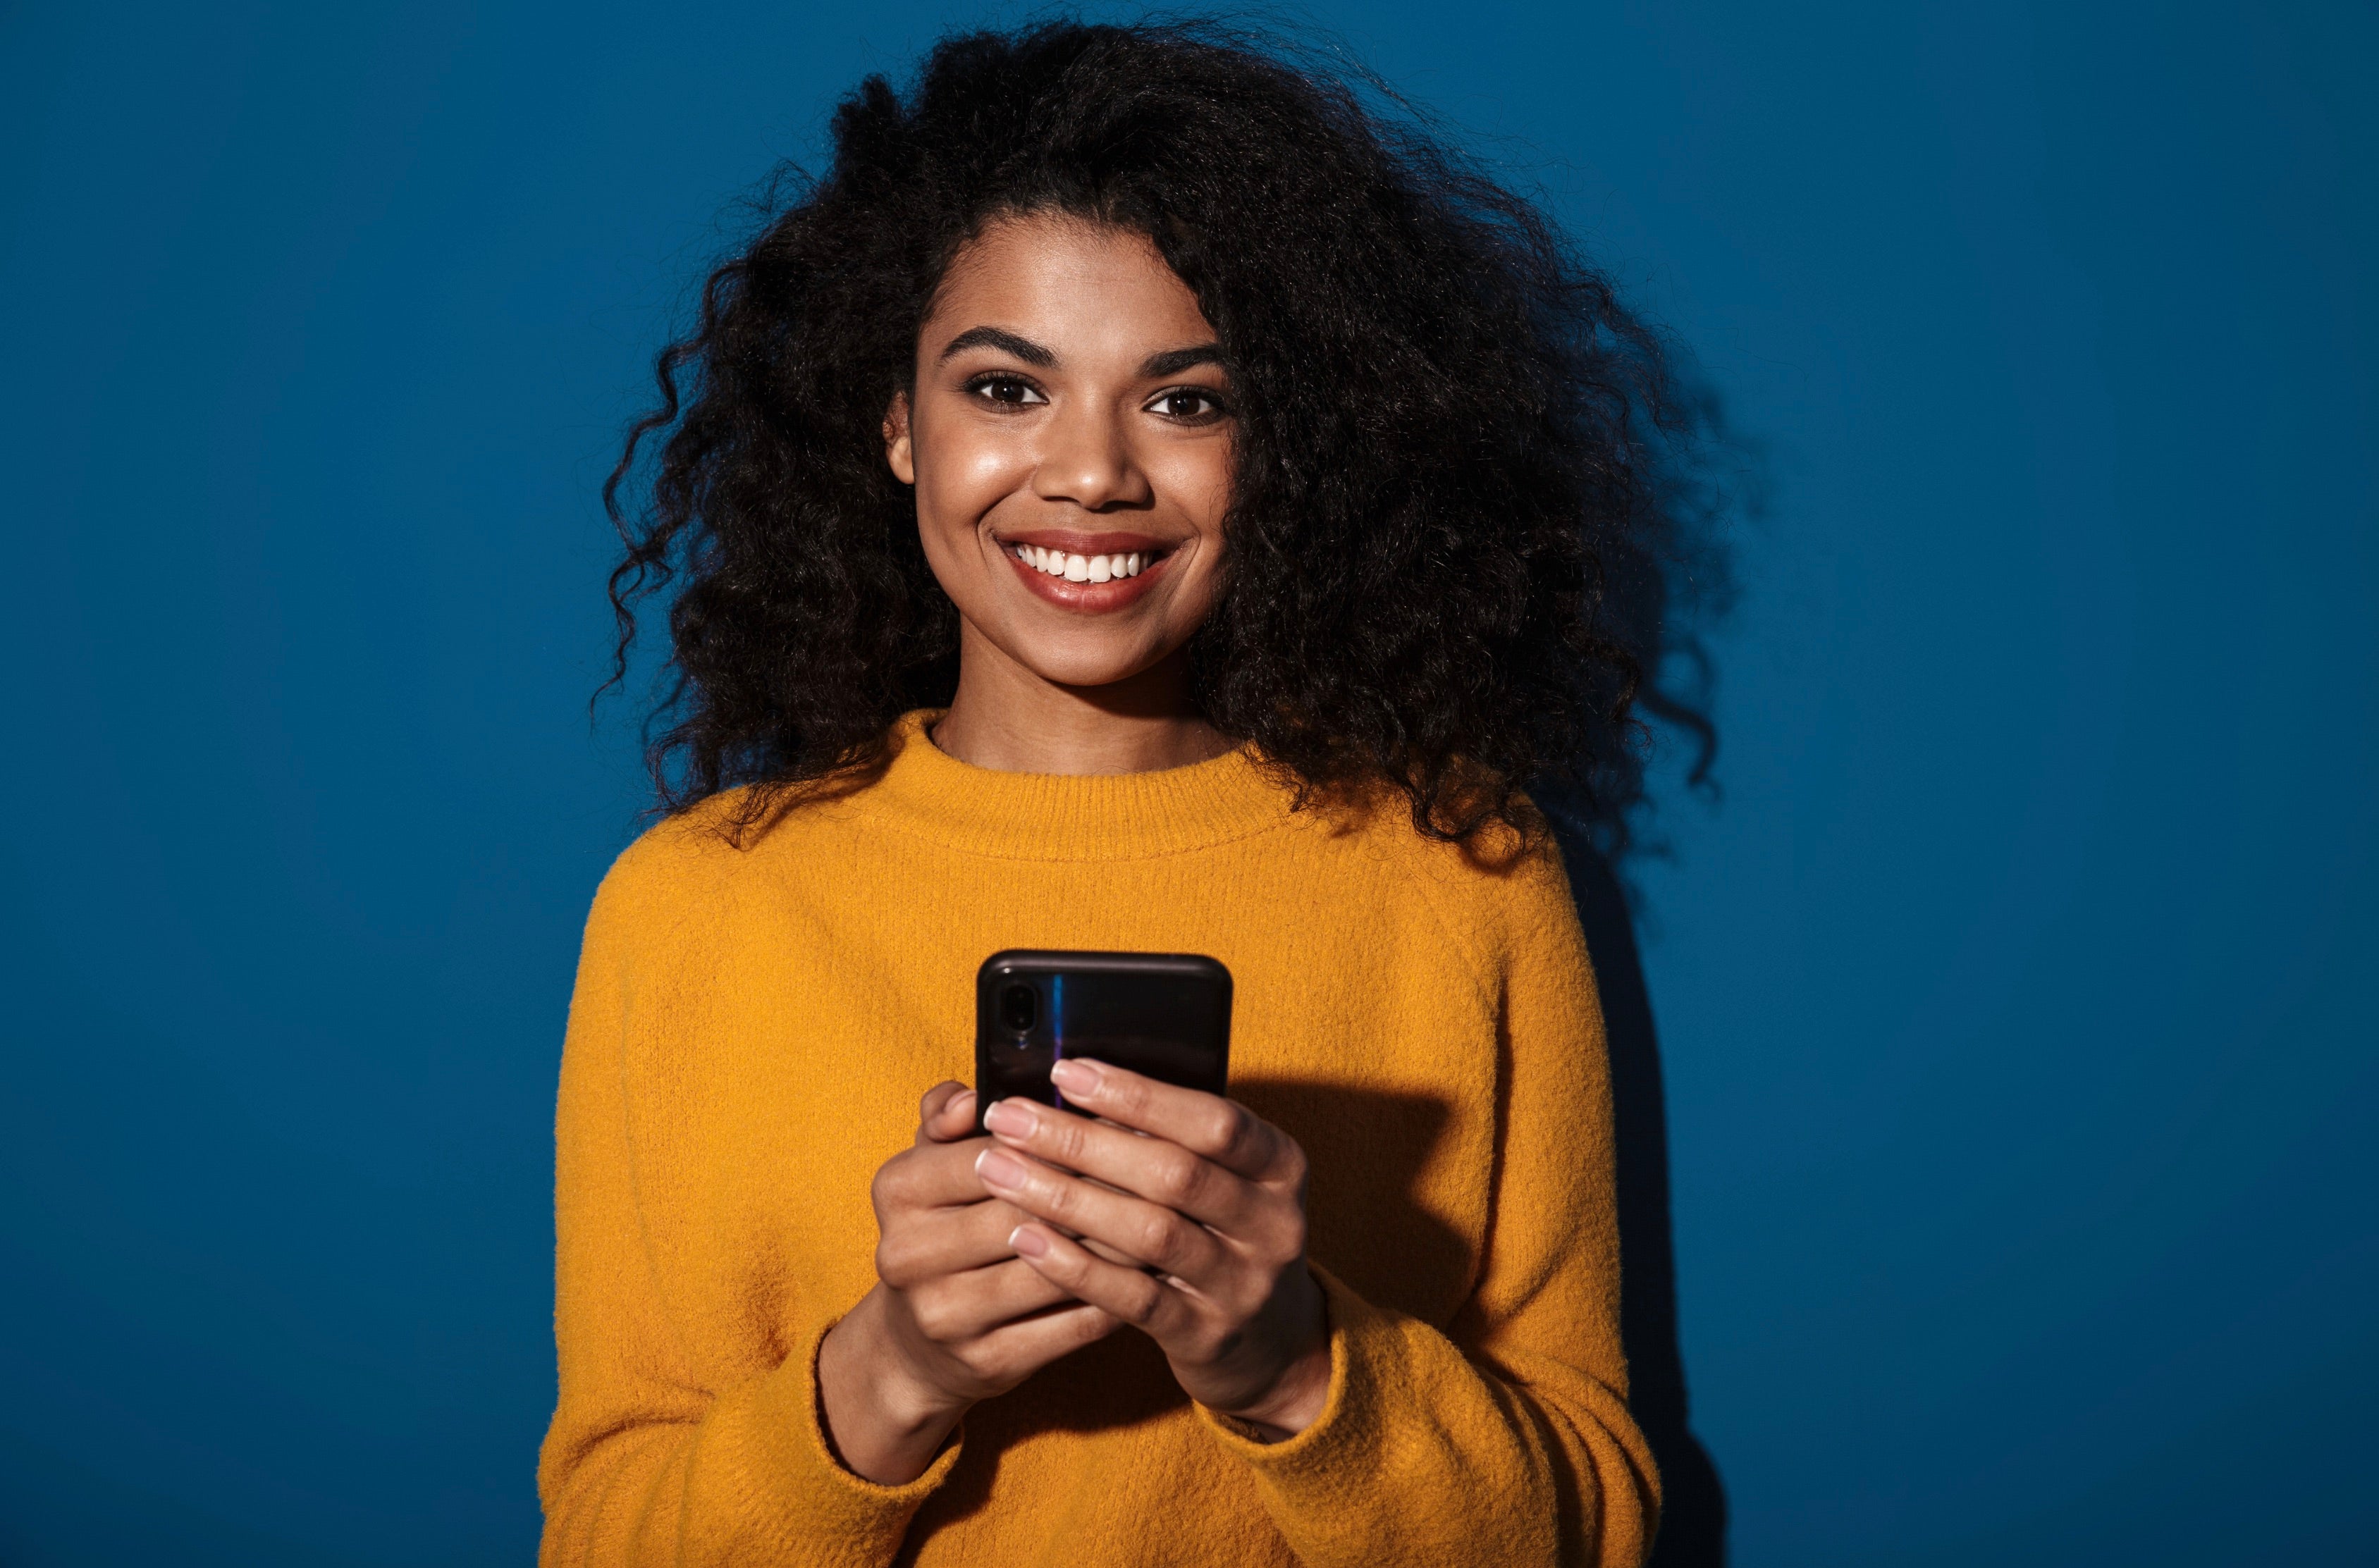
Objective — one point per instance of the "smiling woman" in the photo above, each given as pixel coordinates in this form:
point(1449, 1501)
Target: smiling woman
point(1139, 501)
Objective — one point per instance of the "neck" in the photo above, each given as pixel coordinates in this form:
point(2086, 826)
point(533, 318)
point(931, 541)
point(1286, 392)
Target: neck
point(1006, 717)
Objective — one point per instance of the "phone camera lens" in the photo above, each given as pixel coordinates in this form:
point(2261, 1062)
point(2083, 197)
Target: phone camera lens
point(1018, 1006)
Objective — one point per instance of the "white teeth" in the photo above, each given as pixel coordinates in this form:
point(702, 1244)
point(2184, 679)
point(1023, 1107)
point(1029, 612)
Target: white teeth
point(1083, 568)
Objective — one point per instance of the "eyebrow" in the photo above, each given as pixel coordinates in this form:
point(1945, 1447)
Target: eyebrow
point(1173, 361)
point(1007, 342)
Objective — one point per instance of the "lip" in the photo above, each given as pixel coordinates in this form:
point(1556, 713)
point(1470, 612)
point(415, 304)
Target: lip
point(1076, 541)
point(1089, 598)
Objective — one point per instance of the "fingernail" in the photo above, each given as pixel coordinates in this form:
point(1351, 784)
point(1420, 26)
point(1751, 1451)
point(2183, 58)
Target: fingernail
point(1077, 1078)
point(963, 1101)
point(1028, 1243)
point(999, 1168)
point(1008, 1117)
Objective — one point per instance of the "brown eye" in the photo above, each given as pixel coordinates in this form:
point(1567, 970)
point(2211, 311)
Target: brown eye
point(1186, 402)
point(1009, 391)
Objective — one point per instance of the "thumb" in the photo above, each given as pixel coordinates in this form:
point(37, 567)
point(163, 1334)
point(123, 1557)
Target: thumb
point(947, 1113)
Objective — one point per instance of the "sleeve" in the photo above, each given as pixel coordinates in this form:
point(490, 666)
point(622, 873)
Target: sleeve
point(1505, 1439)
point(647, 1462)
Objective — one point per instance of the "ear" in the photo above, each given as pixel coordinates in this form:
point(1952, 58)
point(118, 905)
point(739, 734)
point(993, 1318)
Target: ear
point(898, 450)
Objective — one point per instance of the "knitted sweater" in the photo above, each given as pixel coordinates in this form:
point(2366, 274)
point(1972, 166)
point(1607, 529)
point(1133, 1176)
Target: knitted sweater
point(750, 1032)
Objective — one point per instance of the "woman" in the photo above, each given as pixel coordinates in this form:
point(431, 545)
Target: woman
point(1136, 500)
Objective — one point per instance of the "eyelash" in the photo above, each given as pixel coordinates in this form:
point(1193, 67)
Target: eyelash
point(982, 386)
point(1216, 407)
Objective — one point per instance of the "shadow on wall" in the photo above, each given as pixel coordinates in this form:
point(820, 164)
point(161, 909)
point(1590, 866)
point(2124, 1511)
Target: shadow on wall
point(1667, 580)
point(1693, 1522)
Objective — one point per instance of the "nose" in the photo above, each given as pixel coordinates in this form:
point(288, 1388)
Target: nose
point(1089, 461)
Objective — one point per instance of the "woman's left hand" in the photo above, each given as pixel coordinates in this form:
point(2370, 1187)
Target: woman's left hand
point(1212, 1198)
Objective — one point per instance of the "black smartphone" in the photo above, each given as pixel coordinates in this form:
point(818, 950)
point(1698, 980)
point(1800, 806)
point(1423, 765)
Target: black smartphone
point(1165, 1015)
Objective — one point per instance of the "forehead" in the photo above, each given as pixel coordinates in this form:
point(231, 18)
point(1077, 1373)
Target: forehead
point(1086, 290)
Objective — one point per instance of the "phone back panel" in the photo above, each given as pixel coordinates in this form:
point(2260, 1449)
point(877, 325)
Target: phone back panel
point(1164, 1015)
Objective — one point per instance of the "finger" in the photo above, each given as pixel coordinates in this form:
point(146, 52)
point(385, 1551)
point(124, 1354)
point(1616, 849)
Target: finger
point(1143, 1232)
point(1154, 1168)
point(921, 1246)
point(1130, 1295)
point(946, 1114)
point(1014, 1352)
point(1222, 1130)
point(930, 1176)
point(961, 1307)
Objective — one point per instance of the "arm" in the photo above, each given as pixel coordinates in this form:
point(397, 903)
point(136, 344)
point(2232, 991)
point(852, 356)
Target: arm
point(659, 1454)
point(1506, 1439)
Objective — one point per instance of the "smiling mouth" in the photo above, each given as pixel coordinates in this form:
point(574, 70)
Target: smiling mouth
point(1079, 568)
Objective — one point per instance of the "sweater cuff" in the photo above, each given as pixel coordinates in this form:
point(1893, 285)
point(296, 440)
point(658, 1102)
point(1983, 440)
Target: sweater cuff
point(772, 1432)
point(1359, 1333)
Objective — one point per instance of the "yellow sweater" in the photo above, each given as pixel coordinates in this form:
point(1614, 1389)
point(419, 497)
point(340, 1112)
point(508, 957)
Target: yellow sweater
point(750, 1034)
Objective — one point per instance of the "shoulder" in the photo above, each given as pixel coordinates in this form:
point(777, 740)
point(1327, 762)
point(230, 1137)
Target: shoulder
point(689, 868)
point(1503, 886)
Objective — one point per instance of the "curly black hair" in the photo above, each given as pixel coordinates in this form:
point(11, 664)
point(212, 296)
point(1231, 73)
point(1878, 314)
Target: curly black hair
point(1453, 467)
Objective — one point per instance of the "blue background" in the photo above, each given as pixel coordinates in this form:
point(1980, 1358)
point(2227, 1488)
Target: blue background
point(2015, 1000)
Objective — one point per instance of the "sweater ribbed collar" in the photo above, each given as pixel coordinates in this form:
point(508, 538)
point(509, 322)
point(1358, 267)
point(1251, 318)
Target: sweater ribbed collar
point(1055, 816)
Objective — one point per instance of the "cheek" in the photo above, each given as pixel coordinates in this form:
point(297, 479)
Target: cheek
point(963, 472)
point(1197, 479)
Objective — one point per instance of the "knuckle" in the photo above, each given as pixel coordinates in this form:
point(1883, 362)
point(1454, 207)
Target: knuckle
point(1160, 1240)
point(1290, 1243)
point(1277, 1246)
point(1227, 1127)
point(1292, 1162)
point(936, 1315)
point(896, 1182)
point(1147, 1301)
point(1180, 1178)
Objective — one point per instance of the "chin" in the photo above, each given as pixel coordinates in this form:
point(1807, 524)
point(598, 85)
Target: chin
point(1087, 674)
point(1068, 662)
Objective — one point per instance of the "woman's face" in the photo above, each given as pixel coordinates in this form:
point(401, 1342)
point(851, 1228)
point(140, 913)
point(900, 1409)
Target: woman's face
point(1069, 441)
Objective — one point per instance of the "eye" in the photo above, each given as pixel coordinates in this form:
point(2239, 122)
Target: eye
point(1194, 405)
point(1007, 390)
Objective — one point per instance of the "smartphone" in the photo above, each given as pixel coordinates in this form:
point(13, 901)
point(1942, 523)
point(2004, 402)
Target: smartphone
point(1164, 1015)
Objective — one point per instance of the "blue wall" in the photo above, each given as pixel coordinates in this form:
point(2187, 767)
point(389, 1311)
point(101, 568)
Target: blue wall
point(2015, 1002)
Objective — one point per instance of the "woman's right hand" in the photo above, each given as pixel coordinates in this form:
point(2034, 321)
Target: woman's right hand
point(955, 1315)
